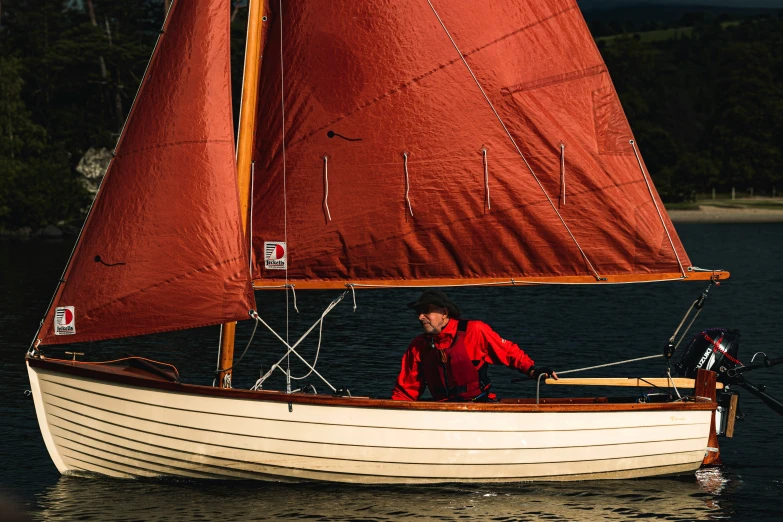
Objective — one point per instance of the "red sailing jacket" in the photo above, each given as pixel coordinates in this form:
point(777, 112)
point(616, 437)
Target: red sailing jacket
point(481, 342)
point(450, 373)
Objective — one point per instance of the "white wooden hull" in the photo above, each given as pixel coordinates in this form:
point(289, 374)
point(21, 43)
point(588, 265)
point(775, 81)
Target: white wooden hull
point(115, 429)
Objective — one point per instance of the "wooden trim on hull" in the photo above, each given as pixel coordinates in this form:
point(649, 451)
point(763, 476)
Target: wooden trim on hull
point(129, 377)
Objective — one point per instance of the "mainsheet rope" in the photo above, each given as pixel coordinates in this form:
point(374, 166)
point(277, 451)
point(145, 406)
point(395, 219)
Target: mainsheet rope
point(513, 142)
point(538, 381)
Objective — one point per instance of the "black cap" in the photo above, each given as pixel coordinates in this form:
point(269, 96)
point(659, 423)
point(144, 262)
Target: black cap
point(435, 298)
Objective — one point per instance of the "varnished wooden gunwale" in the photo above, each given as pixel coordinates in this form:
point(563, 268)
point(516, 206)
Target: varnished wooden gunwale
point(136, 378)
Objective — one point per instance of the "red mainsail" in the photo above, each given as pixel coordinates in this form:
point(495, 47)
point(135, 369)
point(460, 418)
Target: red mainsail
point(163, 247)
point(451, 142)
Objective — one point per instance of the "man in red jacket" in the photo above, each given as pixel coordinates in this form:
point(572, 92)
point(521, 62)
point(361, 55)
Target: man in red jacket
point(451, 356)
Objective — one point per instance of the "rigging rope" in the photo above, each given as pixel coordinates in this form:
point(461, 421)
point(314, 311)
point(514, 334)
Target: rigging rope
point(252, 335)
point(292, 349)
point(657, 209)
point(293, 293)
point(353, 292)
point(538, 381)
point(562, 173)
point(407, 183)
point(326, 188)
point(514, 143)
point(250, 221)
point(486, 175)
point(285, 195)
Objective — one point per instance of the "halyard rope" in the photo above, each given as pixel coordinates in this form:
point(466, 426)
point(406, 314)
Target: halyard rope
point(285, 196)
point(513, 142)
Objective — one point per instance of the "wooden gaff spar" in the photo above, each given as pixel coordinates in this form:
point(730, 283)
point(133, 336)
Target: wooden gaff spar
point(391, 124)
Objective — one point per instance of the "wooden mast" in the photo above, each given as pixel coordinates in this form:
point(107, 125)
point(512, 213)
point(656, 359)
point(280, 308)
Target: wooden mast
point(256, 29)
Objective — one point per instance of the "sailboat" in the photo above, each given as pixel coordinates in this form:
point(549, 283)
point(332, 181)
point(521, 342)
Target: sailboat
point(408, 144)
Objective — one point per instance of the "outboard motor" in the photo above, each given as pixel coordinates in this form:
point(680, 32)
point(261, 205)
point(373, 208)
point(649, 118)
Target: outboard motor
point(715, 349)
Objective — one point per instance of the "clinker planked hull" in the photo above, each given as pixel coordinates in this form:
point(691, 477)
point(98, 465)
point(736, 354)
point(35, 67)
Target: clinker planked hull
point(96, 421)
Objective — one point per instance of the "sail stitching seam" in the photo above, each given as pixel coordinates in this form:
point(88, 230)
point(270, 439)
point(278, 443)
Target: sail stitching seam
point(553, 80)
point(508, 133)
point(167, 281)
point(170, 144)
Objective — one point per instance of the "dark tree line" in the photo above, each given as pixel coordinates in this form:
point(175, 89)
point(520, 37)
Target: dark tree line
point(69, 71)
point(707, 109)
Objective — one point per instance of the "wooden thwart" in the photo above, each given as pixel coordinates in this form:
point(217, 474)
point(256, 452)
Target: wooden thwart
point(660, 382)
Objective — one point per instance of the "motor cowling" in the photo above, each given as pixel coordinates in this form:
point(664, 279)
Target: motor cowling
point(715, 349)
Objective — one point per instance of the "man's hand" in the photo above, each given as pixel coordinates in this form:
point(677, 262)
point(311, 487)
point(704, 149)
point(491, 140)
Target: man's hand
point(547, 371)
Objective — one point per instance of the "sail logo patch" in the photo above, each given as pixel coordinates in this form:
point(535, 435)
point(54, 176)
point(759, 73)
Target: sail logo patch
point(275, 255)
point(64, 320)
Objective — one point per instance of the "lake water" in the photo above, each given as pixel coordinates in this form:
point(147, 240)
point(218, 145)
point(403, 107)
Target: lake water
point(566, 327)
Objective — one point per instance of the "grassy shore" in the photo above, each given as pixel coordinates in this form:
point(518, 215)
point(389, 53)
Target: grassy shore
point(744, 210)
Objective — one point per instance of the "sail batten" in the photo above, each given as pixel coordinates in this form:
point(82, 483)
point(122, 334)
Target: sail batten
point(163, 248)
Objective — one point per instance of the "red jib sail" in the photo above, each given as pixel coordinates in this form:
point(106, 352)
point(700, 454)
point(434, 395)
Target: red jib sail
point(447, 142)
point(163, 247)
